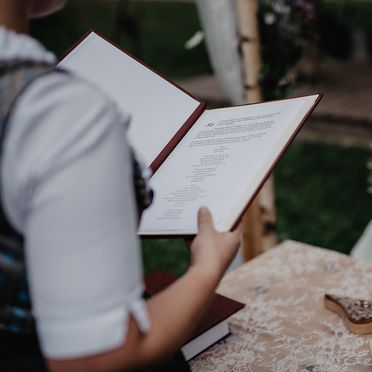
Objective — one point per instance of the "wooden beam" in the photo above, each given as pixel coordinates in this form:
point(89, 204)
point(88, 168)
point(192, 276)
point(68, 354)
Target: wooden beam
point(259, 228)
point(250, 46)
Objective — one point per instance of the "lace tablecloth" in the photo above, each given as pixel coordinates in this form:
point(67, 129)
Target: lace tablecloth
point(284, 326)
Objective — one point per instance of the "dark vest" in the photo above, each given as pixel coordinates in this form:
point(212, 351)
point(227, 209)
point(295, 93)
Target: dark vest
point(15, 302)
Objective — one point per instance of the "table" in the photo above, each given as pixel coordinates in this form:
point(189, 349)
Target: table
point(284, 326)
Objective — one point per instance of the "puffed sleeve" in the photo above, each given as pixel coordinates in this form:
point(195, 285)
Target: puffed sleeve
point(67, 187)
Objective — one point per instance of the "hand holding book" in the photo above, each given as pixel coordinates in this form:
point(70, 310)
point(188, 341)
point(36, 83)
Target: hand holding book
point(213, 251)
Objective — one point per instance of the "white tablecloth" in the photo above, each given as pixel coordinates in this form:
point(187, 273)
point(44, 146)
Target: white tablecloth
point(284, 326)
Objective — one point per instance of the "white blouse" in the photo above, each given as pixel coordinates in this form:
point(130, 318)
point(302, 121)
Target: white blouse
point(67, 187)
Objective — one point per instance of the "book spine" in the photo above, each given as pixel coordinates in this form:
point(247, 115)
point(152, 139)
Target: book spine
point(177, 137)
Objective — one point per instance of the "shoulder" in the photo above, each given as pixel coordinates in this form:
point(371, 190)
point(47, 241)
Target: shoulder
point(58, 110)
point(60, 90)
point(59, 115)
point(59, 121)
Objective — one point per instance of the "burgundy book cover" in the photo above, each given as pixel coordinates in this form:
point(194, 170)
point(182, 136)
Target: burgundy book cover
point(219, 309)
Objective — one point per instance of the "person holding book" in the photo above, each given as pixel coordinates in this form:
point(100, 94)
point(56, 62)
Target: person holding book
point(68, 218)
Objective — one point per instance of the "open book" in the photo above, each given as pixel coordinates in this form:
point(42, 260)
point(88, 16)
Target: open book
point(216, 158)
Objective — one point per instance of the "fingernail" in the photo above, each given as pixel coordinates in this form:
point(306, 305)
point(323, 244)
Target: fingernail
point(203, 209)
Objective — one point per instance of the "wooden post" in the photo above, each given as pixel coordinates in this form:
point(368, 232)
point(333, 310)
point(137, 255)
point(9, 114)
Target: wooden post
point(259, 221)
point(250, 45)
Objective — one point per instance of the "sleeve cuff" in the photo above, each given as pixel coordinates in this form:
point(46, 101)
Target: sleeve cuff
point(89, 335)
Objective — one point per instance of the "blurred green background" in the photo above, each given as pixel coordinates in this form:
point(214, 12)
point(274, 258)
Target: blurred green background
point(154, 31)
point(321, 189)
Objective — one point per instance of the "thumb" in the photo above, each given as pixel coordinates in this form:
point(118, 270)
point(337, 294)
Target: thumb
point(205, 219)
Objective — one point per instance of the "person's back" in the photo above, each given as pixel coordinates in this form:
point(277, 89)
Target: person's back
point(69, 202)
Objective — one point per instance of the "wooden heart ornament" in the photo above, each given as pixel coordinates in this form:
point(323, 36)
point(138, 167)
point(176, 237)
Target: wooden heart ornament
point(356, 313)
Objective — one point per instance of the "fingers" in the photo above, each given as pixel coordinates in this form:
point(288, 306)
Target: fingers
point(205, 220)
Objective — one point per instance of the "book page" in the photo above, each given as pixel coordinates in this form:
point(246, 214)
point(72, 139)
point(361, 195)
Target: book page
point(220, 163)
point(157, 107)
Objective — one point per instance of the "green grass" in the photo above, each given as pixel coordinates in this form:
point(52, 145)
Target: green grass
point(321, 195)
point(170, 255)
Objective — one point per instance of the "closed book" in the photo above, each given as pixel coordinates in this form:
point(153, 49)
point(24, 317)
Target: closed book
point(214, 324)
